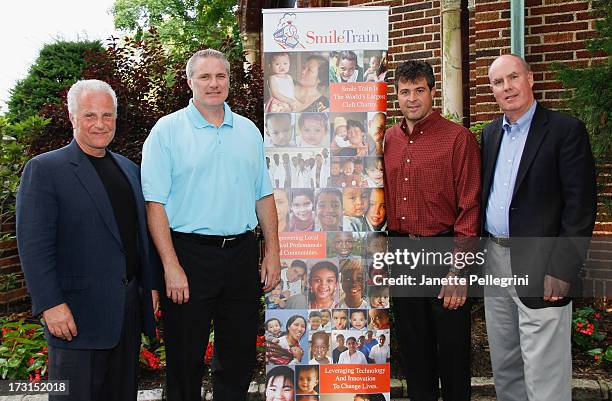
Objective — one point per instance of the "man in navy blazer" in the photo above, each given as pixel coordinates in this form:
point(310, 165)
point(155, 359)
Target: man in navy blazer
point(85, 253)
point(539, 207)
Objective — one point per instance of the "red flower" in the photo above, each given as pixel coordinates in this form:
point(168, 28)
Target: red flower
point(30, 361)
point(158, 314)
point(578, 324)
point(597, 315)
point(209, 353)
point(260, 341)
point(596, 357)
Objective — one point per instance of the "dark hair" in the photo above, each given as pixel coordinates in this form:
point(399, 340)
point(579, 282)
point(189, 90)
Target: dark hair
point(348, 55)
point(365, 313)
point(314, 313)
point(298, 263)
point(309, 193)
point(323, 71)
point(324, 265)
point(293, 319)
point(412, 70)
point(280, 371)
point(271, 320)
point(332, 191)
point(353, 123)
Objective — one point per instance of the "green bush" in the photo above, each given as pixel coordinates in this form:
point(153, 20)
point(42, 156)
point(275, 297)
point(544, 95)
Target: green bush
point(13, 155)
point(23, 351)
point(590, 97)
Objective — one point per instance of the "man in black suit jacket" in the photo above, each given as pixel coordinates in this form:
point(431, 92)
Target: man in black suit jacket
point(86, 255)
point(539, 206)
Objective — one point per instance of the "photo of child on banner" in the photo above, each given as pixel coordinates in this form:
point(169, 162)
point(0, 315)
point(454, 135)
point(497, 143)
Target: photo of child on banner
point(324, 125)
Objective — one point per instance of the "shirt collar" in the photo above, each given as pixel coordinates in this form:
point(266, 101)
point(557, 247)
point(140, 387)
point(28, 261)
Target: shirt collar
point(199, 121)
point(424, 125)
point(524, 122)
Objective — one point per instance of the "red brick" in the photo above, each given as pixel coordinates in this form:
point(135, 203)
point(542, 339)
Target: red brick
point(577, 6)
point(405, 40)
point(584, 16)
point(11, 260)
point(555, 19)
point(414, 47)
point(395, 49)
point(413, 15)
point(501, 5)
point(530, 21)
point(589, 54)
point(414, 31)
point(488, 35)
point(487, 16)
point(571, 26)
point(554, 94)
point(557, 47)
point(395, 34)
point(603, 274)
point(601, 255)
point(413, 22)
point(432, 28)
point(13, 295)
point(395, 17)
point(432, 45)
point(494, 43)
point(586, 35)
point(493, 25)
point(532, 3)
point(548, 85)
point(559, 37)
point(533, 40)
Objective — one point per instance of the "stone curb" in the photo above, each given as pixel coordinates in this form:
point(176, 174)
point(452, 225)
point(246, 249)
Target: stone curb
point(582, 390)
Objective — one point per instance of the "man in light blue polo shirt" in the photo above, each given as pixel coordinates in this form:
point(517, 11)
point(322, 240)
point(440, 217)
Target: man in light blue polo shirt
point(206, 184)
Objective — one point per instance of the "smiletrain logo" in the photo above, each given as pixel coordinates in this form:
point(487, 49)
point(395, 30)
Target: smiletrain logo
point(287, 35)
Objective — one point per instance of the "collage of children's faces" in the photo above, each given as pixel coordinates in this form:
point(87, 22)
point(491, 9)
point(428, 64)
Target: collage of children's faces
point(327, 173)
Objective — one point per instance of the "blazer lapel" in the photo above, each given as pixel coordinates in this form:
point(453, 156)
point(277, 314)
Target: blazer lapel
point(492, 151)
point(88, 177)
point(537, 132)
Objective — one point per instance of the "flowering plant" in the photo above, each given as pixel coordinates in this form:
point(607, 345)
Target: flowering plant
point(23, 351)
point(588, 333)
point(153, 350)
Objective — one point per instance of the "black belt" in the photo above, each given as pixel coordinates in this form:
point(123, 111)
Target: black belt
point(501, 241)
point(219, 241)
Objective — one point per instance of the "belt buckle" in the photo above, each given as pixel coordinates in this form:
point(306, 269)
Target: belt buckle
point(227, 240)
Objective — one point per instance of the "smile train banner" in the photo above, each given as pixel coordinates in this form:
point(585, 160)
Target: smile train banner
point(327, 322)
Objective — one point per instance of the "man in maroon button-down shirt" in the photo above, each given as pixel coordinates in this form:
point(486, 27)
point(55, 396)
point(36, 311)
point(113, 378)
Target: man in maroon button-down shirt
point(432, 188)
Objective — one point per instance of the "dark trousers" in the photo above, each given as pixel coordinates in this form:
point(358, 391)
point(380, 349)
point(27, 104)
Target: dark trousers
point(224, 286)
point(434, 344)
point(102, 375)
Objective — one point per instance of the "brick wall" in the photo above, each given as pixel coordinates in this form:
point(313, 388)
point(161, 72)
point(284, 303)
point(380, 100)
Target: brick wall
point(9, 263)
point(555, 30)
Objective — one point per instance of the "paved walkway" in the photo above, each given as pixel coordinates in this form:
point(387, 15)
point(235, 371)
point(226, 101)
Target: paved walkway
point(482, 390)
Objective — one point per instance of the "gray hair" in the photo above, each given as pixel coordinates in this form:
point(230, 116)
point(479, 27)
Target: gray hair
point(88, 85)
point(204, 54)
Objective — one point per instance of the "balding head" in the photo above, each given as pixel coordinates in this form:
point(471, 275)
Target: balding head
point(511, 83)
